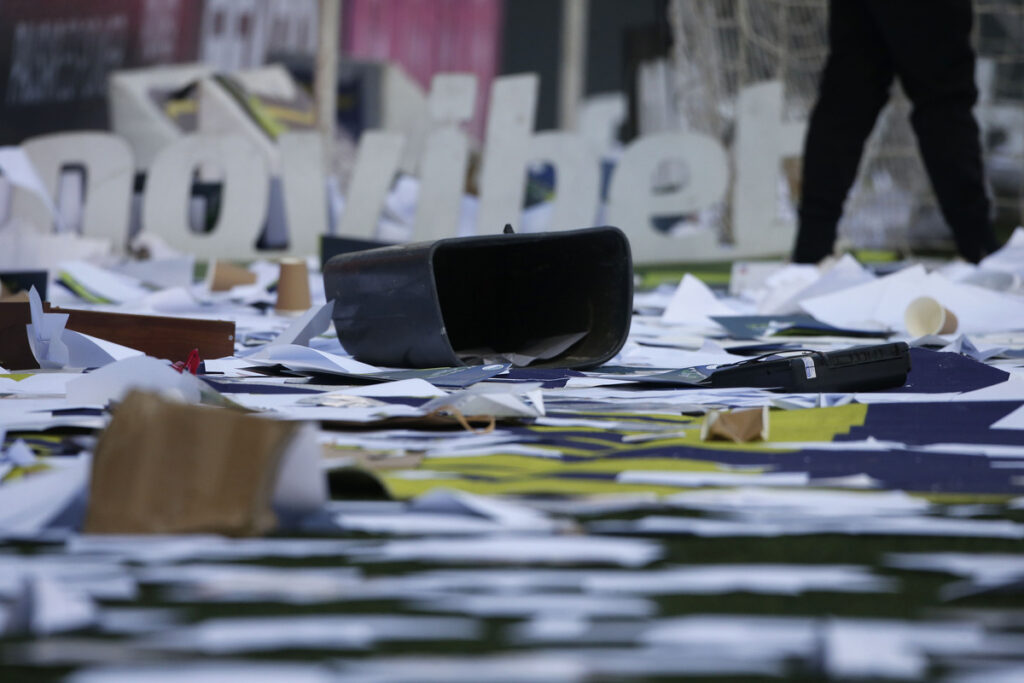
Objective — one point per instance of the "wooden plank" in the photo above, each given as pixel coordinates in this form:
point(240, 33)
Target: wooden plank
point(158, 336)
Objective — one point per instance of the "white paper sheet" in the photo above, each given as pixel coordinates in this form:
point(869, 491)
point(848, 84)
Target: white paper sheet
point(1015, 420)
point(18, 170)
point(679, 478)
point(311, 323)
point(693, 303)
point(28, 504)
point(164, 273)
point(23, 247)
point(206, 671)
point(103, 283)
point(801, 525)
point(883, 302)
point(556, 550)
point(843, 274)
point(499, 400)
point(45, 334)
point(762, 502)
point(99, 578)
point(303, 358)
point(113, 381)
point(231, 635)
point(45, 606)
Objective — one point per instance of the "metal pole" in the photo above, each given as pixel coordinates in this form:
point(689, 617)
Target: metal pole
point(325, 84)
point(574, 61)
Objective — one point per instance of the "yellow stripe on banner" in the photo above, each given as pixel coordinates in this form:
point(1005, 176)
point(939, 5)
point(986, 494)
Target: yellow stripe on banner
point(520, 474)
point(510, 466)
point(616, 465)
point(816, 424)
point(963, 498)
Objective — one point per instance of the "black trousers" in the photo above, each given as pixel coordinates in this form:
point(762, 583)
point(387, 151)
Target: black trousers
point(926, 43)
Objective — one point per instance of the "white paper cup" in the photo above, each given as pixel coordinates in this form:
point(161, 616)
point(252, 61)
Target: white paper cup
point(293, 287)
point(926, 316)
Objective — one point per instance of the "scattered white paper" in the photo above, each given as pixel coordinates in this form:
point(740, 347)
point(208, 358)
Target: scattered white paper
point(113, 381)
point(45, 607)
point(1015, 420)
point(519, 549)
point(681, 478)
point(694, 303)
point(305, 359)
point(255, 634)
point(45, 334)
point(802, 526)
point(22, 246)
point(29, 503)
point(311, 323)
point(206, 671)
point(101, 283)
point(164, 273)
point(499, 400)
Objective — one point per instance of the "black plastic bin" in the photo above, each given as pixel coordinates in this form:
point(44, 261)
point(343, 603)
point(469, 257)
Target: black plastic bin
point(422, 305)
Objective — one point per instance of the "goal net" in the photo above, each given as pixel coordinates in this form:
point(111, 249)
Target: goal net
point(723, 45)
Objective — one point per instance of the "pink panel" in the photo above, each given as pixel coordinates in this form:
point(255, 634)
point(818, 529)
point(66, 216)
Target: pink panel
point(429, 36)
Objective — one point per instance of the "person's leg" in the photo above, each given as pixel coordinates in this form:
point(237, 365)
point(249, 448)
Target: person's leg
point(854, 87)
point(932, 54)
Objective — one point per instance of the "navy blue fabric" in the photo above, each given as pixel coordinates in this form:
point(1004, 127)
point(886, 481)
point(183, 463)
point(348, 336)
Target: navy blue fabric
point(902, 470)
point(934, 372)
point(550, 378)
point(230, 387)
point(926, 423)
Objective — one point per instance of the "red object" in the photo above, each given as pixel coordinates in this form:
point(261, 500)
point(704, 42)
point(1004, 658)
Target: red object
point(191, 363)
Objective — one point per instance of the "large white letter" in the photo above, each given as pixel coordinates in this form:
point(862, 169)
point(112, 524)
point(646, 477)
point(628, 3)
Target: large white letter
point(506, 151)
point(305, 190)
point(762, 141)
point(443, 168)
point(511, 144)
point(109, 173)
point(376, 165)
point(577, 177)
point(632, 203)
point(243, 204)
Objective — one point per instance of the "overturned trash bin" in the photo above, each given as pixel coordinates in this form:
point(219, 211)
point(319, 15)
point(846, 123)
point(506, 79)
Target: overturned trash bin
point(555, 299)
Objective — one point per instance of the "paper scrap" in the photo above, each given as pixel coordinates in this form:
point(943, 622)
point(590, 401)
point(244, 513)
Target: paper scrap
point(693, 303)
point(311, 323)
point(45, 607)
point(738, 426)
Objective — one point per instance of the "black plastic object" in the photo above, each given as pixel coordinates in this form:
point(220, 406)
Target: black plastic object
point(24, 280)
point(332, 245)
point(859, 368)
point(420, 305)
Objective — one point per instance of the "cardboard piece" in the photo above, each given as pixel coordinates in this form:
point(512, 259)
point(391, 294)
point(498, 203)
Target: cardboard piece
point(224, 275)
point(738, 426)
point(293, 295)
point(166, 467)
